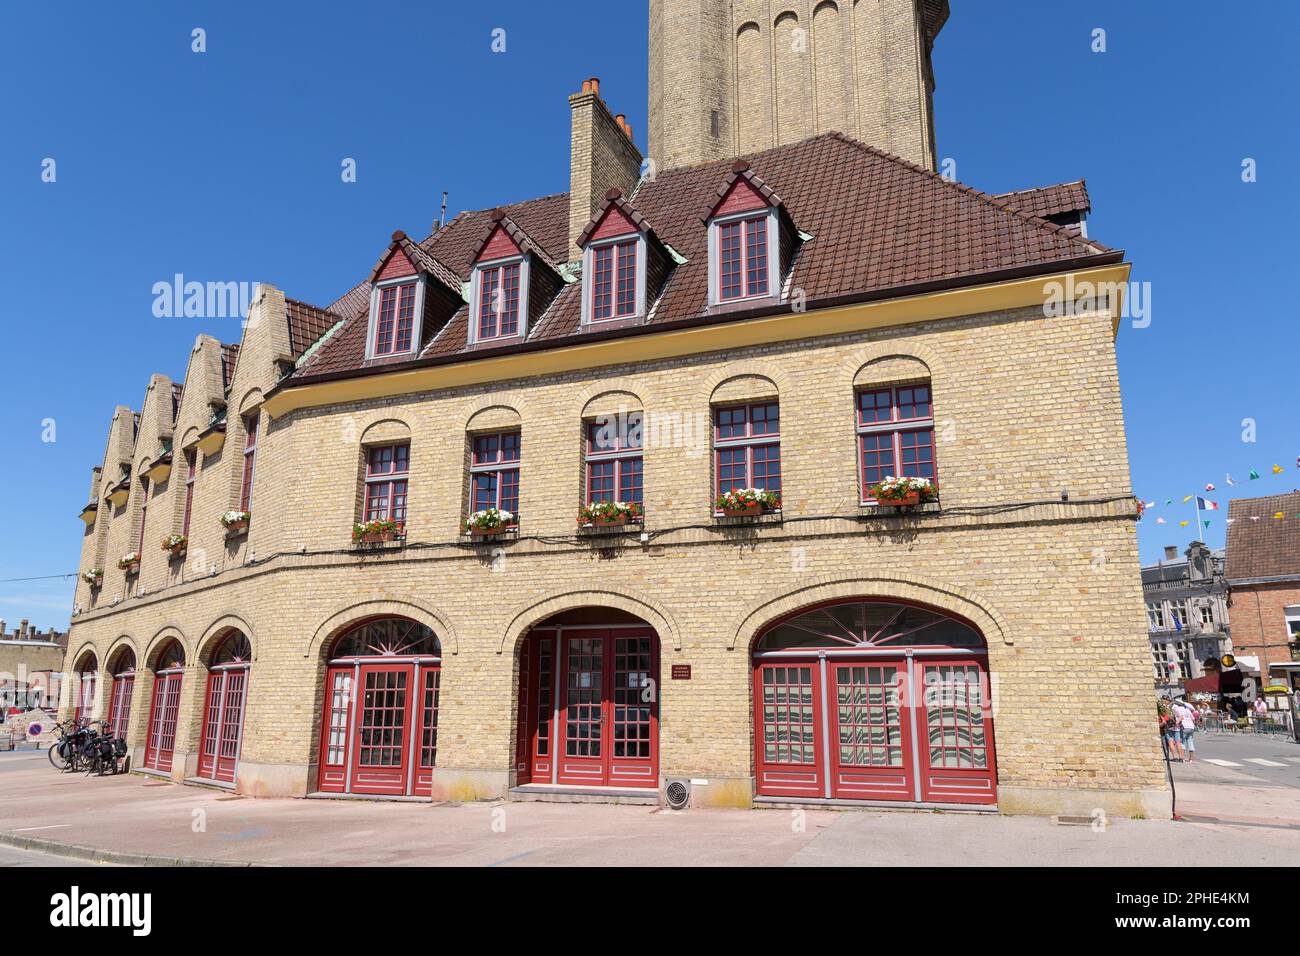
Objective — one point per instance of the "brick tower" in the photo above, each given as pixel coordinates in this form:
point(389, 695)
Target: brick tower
point(736, 76)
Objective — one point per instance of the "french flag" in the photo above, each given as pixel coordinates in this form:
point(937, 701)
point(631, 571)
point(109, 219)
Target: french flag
point(1206, 505)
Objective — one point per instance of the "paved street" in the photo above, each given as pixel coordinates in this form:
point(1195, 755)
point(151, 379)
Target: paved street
point(1247, 814)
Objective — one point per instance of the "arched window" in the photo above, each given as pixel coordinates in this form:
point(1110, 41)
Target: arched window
point(223, 708)
point(235, 649)
point(388, 637)
point(87, 671)
point(866, 625)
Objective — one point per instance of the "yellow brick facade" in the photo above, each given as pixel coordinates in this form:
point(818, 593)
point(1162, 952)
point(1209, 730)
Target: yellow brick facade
point(1026, 409)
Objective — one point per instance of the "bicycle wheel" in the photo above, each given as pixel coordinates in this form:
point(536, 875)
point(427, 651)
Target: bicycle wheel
point(57, 760)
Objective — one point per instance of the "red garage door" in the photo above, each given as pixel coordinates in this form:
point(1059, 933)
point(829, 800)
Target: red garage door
point(873, 701)
point(379, 731)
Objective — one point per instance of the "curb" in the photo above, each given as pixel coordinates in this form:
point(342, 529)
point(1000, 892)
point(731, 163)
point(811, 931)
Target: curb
point(77, 851)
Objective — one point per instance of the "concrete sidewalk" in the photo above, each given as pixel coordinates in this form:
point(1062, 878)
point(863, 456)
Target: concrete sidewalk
point(134, 819)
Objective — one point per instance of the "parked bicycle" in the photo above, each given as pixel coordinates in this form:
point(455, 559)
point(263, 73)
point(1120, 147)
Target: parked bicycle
point(102, 753)
point(65, 753)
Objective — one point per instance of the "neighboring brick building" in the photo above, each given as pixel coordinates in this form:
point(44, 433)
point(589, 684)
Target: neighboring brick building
point(30, 661)
point(1263, 574)
point(1187, 615)
point(808, 321)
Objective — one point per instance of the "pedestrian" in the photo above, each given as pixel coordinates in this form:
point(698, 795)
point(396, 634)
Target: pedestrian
point(1187, 724)
point(1170, 729)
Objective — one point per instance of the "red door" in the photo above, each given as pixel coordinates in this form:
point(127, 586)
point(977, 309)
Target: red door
point(956, 715)
point(877, 736)
point(119, 712)
point(162, 720)
point(870, 751)
point(381, 748)
point(537, 707)
point(384, 739)
point(608, 727)
point(223, 723)
point(787, 715)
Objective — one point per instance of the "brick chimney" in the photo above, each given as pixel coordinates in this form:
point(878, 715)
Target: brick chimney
point(22, 630)
point(4, 625)
point(1171, 552)
point(602, 156)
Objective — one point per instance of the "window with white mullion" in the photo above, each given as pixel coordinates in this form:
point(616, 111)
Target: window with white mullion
point(614, 463)
point(615, 279)
point(747, 448)
point(494, 472)
point(499, 299)
point(396, 310)
point(387, 473)
point(744, 259)
point(895, 429)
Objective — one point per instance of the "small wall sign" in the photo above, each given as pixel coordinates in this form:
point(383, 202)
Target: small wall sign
point(681, 672)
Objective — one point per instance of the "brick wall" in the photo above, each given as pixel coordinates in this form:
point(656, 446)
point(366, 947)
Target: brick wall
point(777, 71)
point(1024, 408)
point(1259, 621)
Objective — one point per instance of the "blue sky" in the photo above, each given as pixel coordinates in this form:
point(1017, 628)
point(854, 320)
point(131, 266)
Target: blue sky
point(225, 166)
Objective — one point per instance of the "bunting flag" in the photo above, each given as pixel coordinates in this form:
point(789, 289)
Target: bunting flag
point(1187, 499)
point(1253, 474)
point(1148, 504)
point(1207, 522)
point(1161, 521)
point(1278, 516)
point(1169, 501)
point(1183, 524)
point(1277, 469)
point(1254, 517)
point(1230, 481)
point(1206, 504)
point(1209, 487)
point(1229, 520)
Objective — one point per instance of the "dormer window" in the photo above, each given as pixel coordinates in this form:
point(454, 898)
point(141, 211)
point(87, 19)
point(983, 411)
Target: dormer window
point(499, 299)
point(396, 308)
point(743, 259)
point(393, 331)
point(615, 287)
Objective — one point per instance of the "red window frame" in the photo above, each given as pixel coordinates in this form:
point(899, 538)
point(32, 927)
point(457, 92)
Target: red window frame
point(615, 470)
point(250, 461)
point(503, 323)
point(613, 280)
point(743, 251)
point(495, 459)
point(395, 320)
point(747, 444)
point(387, 474)
point(895, 427)
point(190, 471)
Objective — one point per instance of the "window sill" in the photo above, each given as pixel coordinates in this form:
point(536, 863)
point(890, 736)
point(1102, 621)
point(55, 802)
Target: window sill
point(234, 534)
point(874, 509)
point(763, 517)
point(388, 544)
point(635, 524)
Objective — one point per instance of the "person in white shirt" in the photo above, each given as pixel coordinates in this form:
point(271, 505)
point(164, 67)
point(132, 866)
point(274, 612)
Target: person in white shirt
point(1186, 718)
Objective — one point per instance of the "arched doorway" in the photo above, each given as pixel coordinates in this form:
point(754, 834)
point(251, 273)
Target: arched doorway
point(122, 668)
point(873, 700)
point(223, 709)
point(169, 668)
point(87, 671)
point(379, 723)
point(589, 702)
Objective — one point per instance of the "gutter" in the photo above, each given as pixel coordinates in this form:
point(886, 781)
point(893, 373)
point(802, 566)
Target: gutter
point(709, 319)
point(1275, 579)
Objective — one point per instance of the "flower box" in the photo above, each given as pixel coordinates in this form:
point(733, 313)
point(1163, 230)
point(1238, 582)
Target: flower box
point(608, 514)
point(235, 522)
point(489, 532)
point(903, 492)
point(175, 545)
point(746, 502)
point(491, 521)
point(378, 532)
point(93, 577)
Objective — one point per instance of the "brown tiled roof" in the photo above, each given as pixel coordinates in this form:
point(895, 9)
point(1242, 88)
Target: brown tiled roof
point(879, 227)
point(1267, 547)
point(229, 356)
point(307, 323)
point(1048, 200)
